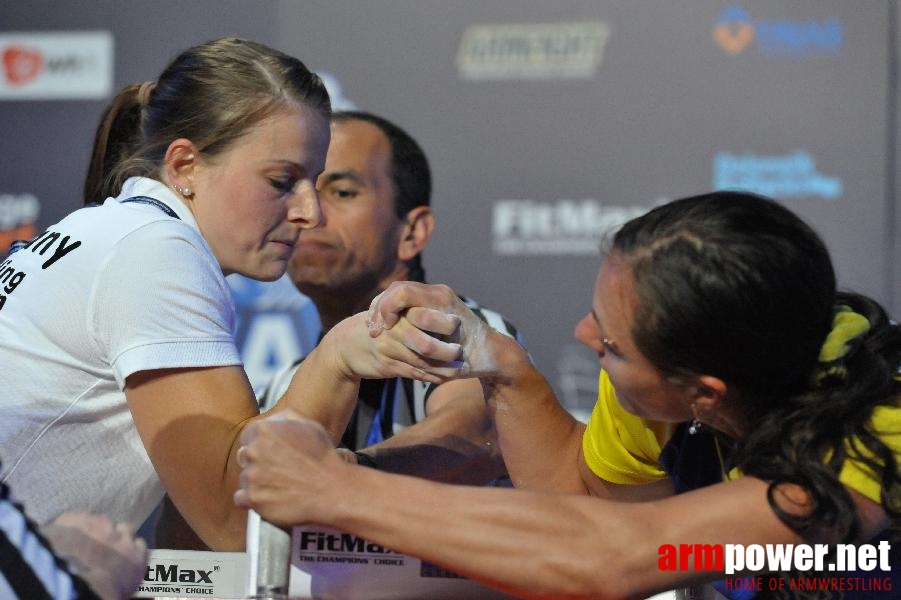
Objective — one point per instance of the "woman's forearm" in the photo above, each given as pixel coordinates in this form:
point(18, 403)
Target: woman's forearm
point(527, 415)
point(529, 544)
point(321, 392)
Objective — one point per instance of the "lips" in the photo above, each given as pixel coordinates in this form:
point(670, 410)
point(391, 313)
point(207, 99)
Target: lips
point(285, 248)
point(314, 243)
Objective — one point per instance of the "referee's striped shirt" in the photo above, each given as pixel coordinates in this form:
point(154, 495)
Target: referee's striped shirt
point(29, 569)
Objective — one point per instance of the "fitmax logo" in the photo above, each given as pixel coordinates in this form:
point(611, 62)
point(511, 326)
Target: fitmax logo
point(320, 541)
point(735, 31)
point(564, 227)
point(174, 574)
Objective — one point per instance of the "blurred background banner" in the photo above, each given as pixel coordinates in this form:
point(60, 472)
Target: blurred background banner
point(546, 123)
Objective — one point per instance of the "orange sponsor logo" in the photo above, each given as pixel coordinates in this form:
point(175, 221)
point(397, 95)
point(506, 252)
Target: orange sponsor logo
point(733, 37)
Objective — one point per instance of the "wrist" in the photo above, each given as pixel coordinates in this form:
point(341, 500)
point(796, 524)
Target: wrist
point(331, 353)
point(508, 358)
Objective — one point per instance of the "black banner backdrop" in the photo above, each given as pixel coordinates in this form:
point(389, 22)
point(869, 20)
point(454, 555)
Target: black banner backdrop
point(546, 123)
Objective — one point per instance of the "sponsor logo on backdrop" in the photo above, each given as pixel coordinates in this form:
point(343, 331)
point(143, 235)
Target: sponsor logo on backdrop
point(56, 65)
point(564, 227)
point(735, 31)
point(784, 176)
point(808, 568)
point(18, 214)
point(532, 51)
point(276, 325)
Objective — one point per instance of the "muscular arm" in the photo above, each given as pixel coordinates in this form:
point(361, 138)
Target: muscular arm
point(193, 443)
point(531, 543)
point(455, 443)
point(527, 415)
point(523, 407)
point(189, 419)
point(326, 384)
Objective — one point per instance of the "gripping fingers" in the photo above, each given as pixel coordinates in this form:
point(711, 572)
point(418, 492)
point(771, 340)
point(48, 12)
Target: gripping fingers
point(431, 348)
point(386, 309)
point(434, 321)
point(413, 366)
point(374, 321)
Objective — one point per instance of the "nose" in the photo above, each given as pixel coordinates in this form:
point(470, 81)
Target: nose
point(588, 333)
point(303, 206)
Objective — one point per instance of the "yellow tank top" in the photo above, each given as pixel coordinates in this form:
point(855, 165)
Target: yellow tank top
point(623, 448)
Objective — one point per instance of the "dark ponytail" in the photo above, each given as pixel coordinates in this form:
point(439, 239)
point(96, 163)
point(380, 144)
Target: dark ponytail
point(808, 440)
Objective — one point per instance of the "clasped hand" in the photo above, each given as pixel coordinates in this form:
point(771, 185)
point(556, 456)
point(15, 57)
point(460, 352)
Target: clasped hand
point(289, 467)
point(437, 326)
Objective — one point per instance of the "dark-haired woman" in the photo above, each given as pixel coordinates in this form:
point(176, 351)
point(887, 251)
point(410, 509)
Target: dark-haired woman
point(742, 401)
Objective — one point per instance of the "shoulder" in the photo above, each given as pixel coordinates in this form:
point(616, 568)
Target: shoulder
point(112, 224)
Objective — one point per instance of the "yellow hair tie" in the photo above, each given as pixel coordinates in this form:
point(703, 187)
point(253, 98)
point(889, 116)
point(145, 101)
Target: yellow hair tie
point(848, 328)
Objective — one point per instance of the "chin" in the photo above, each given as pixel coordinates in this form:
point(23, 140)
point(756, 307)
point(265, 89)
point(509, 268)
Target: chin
point(627, 406)
point(266, 272)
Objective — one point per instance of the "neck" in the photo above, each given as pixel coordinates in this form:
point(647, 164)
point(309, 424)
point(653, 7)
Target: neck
point(733, 426)
point(336, 304)
point(334, 308)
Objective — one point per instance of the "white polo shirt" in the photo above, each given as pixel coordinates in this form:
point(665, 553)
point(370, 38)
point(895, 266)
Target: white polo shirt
point(108, 291)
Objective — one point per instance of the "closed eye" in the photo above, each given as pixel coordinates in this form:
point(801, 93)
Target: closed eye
point(284, 186)
point(343, 193)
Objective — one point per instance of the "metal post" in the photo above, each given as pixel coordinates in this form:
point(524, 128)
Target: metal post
point(269, 559)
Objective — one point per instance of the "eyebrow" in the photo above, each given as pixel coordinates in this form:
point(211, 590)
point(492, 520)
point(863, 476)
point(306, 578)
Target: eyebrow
point(339, 175)
point(283, 162)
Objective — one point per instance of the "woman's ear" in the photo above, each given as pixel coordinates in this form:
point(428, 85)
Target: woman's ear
point(708, 393)
point(180, 162)
point(417, 229)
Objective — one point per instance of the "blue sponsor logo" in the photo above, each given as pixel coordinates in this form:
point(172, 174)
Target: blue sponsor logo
point(736, 31)
point(786, 176)
point(276, 325)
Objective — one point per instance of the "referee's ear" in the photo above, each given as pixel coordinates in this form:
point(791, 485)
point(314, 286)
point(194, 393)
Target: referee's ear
point(417, 229)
